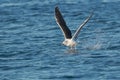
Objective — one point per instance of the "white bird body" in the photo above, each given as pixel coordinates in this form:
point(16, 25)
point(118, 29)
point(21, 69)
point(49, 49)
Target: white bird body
point(69, 42)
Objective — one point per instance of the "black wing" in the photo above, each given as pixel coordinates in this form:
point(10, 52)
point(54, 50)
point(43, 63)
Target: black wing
point(62, 24)
point(78, 30)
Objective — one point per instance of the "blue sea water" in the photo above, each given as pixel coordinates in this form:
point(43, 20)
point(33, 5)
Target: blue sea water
point(30, 40)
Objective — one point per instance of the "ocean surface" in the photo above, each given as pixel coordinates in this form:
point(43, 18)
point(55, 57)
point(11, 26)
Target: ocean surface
point(30, 40)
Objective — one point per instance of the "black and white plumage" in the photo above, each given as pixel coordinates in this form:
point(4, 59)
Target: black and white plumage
point(69, 39)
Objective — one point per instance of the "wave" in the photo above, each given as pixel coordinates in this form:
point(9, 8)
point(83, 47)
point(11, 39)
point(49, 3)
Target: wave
point(110, 0)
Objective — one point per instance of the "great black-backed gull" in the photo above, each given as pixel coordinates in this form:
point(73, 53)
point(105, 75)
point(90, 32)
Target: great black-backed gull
point(69, 39)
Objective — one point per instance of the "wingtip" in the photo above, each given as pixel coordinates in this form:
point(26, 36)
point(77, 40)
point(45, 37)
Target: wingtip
point(92, 13)
point(56, 9)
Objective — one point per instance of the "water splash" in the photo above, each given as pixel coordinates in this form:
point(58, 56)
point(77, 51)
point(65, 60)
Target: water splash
point(96, 46)
point(97, 40)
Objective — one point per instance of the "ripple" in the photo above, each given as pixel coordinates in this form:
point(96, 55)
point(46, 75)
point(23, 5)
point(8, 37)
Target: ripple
point(5, 68)
point(115, 47)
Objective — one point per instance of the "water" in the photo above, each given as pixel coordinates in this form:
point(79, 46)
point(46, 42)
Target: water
point(30, 40)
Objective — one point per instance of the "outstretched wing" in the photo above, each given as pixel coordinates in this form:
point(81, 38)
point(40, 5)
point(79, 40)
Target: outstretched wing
point(78, 30)
point(62, 24)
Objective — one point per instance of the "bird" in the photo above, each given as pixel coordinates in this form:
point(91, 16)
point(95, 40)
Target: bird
point(69, 39)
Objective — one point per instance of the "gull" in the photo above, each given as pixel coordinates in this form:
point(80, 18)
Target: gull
point(69, 39)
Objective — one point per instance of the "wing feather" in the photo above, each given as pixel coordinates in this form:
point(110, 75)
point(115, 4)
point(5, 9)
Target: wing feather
point(79, 29)
point(62, 24)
